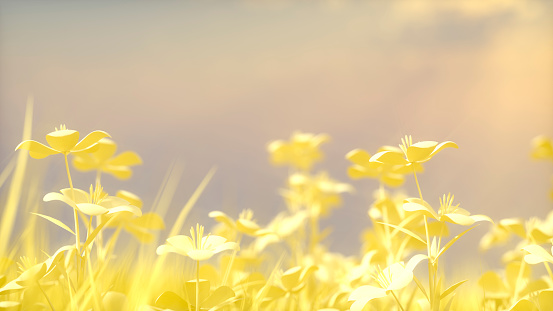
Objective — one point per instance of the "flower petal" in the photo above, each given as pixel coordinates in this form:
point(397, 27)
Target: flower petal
point(247, 226)
point(81, 196)
point(127, 158)
point(182, 242)
point(421, 151)
point(164, 249)
point(537, 255)
point(36, 149)
point(446, 144)
point(90, 140)
point(418, 205)
point(63, 140)
point(56, 196)
point(84, 162)
point(200, 254)
point(226, 246)
point(359, 157)
point(222, 217)
point(149, 221)
point(389, 157)
point(91, 209)
point(126, 209)
point(459, 219)
point(106, 149)
point(367, 293)
point(120, 172)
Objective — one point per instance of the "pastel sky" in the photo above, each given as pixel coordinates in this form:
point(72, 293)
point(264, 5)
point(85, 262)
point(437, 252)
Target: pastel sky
point(211, 83)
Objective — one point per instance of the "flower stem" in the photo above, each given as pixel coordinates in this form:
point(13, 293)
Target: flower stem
point(231, 262)
point(417, 182)
point(77, 235)
point(197, 285)
point(397, 300)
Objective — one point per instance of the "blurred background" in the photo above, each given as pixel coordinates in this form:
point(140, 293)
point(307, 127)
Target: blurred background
point(193, 85)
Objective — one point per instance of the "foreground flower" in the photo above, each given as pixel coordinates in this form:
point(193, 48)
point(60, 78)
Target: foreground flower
point(447, 212)
point(393, 277)
point(103, 160)
point(300, 152)
point(94, 203)
point(196, 246)
point(63, 141)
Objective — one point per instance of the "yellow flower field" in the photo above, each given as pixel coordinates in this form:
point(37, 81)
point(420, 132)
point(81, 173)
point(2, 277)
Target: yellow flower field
point(236, 263)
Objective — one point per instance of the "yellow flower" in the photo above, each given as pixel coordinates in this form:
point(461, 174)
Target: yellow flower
point(410, 154)
point(294, 279)
point(137, 226)
point(447, 212)
point(319, 194)
point(196, 246)
point(537, 254)
point(300, 152)
point(94, 203)
point(63, 141)
point(244, 224)
point(542, 148)
point(393, 277)
point(32, 272)
point(391, 175)
point(103, 160)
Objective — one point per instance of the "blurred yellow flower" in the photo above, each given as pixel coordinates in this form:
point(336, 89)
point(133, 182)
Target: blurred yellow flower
point(391, 175)
point(140, 226)
point(63, 141)
point(300, 152)
point(103, 160)
point(542, 148)
point(244, 224)
point(196, 246)
point(318, 194)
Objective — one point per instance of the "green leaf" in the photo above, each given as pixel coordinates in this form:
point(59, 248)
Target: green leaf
point(408, 232)
point(451, 289)
point(56, 222)
point(448, 245)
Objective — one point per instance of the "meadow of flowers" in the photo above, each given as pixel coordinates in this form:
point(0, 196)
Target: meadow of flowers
point(236, 263)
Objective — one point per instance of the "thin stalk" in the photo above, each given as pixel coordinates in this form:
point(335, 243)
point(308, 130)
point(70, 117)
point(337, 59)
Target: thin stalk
point(519, 278)
point(231, 262)
point(314, 236)
point(417, 181)
point(100, 236)
point(197, 285)
point(548, 270)
point(46, 296)
point(77, 235)
point(397, 300)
